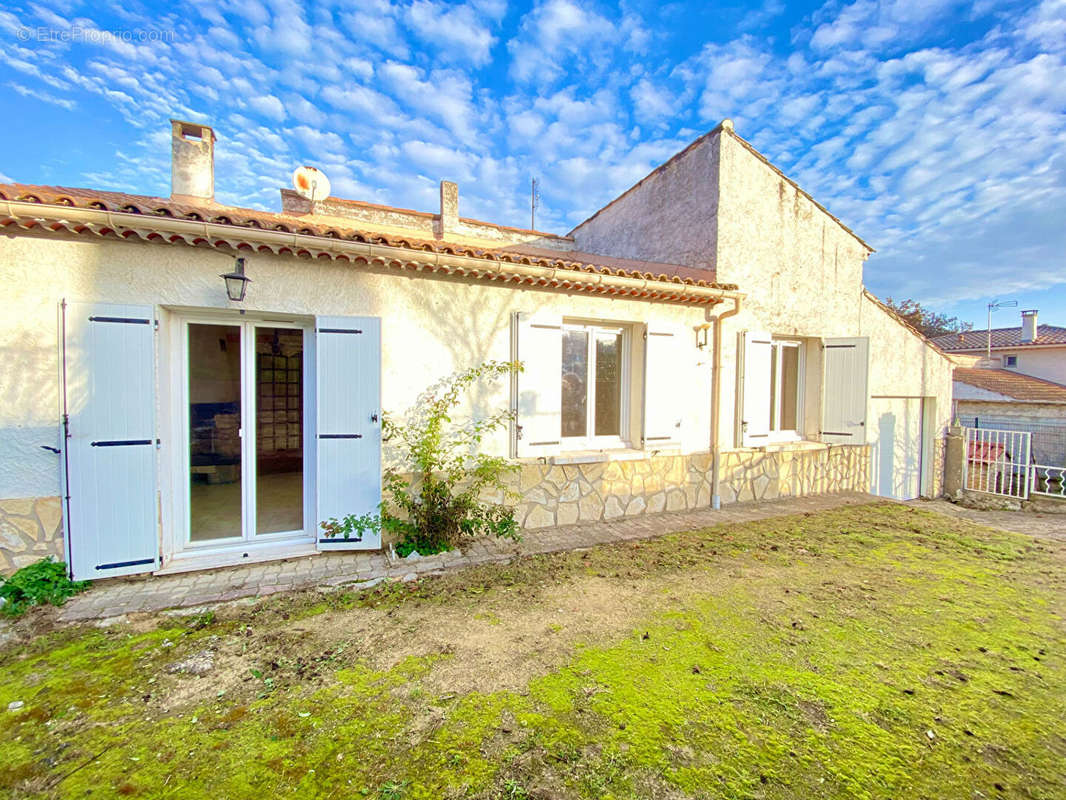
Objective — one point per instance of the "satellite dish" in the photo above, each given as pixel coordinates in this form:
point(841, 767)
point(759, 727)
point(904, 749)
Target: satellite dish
point(311, 183)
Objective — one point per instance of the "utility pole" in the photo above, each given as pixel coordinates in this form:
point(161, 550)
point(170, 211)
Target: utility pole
point(993, 307)
point(534, 201)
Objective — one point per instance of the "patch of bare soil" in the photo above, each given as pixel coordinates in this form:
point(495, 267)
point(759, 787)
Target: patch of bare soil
point(496, 643)
point(501, 643)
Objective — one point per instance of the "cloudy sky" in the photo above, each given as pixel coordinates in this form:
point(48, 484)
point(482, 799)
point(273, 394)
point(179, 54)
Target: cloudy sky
point(935, 129)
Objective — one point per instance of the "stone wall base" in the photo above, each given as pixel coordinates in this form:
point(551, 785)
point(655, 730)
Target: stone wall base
point(552, 494)
point(748, 475)
point(562, 495)
point(30, 529)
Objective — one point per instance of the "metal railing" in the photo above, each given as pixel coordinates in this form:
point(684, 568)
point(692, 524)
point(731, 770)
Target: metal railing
point(1048, 444)
point(1047, 480)
point(1002, 462)
point(997, 462)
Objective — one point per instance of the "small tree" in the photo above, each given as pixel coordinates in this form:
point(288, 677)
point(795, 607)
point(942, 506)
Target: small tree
point(434, 489)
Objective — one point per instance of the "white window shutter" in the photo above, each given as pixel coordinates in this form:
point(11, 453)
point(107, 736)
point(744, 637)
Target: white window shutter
point(844, 393)
point(538, 402)
point(756, 347)
point(667, 373)
point(109, 384)
point(348, 425)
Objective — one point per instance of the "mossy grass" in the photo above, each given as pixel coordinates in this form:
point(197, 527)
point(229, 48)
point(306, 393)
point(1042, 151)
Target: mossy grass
point(868, 652)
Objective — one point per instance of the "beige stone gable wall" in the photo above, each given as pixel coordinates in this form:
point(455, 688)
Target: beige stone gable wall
point(800, 269)
point(670, 216)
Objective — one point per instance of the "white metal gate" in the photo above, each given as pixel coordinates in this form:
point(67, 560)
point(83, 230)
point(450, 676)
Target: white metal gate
point(997, 462)
point(1001, 462)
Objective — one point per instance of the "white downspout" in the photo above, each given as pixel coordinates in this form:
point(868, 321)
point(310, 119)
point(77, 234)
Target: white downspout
point(716, 397)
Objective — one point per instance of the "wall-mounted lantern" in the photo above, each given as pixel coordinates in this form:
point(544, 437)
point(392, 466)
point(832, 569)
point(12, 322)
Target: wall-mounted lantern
point(236, 281)
point(701, 336)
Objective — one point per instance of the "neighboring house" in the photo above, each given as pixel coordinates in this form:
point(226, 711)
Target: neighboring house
point(1002, 399)
point(1031, 349)
point(703, 339)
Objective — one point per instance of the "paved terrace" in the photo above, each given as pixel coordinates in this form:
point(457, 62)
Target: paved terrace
point(112, 598)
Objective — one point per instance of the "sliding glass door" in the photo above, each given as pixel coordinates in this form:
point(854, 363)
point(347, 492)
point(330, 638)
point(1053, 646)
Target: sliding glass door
point(245, 395)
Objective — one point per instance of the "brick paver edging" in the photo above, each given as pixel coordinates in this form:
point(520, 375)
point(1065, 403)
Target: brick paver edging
point(113, 598)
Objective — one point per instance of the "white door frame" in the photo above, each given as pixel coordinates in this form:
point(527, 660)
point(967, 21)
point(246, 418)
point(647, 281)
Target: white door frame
point(926, 415)
point(179, 553)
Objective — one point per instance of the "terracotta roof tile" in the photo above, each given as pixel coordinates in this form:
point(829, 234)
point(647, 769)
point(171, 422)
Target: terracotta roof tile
point(1025, 388)
point(1001, 337)
point(251, 218)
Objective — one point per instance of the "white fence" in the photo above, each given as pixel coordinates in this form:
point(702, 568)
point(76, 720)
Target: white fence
point(1047, 480)
point(1000, 462)
point(997, 462)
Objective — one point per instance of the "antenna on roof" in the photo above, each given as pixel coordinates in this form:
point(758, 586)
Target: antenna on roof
point(993, 306)
point(534, 201)
point(310, 183)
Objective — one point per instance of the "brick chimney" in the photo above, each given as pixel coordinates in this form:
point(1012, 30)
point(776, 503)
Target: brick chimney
point(192, 161)
point(1029, 330)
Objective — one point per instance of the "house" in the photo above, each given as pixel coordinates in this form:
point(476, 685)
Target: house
point(1030, 349)
point(703, 339)
point(1022, 388)
point(1006, 400)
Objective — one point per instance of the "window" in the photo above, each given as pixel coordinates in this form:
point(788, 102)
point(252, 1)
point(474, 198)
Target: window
point(594, 377)
point(785, 388)
point(1010, 361)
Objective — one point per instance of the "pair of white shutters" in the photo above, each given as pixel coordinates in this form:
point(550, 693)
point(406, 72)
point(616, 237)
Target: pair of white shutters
point(845, 366)
point(109, 472)
point(538, 344)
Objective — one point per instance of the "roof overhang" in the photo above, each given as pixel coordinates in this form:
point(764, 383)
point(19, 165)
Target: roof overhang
point(514, 269)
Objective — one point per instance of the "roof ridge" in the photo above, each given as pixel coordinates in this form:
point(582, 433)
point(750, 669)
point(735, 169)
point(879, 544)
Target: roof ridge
point(721, 127)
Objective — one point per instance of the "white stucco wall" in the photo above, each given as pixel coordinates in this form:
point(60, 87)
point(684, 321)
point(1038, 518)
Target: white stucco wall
point(1047, 363)
point(964, 391)
point(802, 273)
point(431, 327)
point(1022, 412)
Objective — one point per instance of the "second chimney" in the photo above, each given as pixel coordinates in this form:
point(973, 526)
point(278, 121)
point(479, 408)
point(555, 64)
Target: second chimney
point(449, 207)
point(192, 161)
point(1029, 326)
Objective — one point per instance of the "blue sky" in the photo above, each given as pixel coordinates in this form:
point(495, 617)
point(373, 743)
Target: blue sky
point(935, 129)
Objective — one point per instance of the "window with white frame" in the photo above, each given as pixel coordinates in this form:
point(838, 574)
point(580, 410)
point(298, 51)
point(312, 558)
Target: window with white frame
point(785, 388)
point(594, 385)
point(602, 385)
point(772, 389)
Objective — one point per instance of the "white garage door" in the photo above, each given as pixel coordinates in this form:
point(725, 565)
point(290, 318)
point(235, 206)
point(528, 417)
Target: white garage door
point(895, 431)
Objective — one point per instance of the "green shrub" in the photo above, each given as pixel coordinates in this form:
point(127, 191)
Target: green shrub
point(42, 582)
point(433, 494)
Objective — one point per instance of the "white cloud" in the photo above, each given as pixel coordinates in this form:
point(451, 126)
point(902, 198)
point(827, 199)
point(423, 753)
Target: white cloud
point(445, 95)
point(456, 31)
point(44, 97)
point(652, 104)
point(269, 106)
point(374, 23)
point(556, 35)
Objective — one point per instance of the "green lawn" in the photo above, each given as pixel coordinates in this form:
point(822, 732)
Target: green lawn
point(873, 651)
